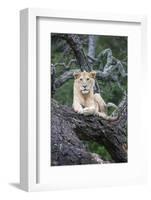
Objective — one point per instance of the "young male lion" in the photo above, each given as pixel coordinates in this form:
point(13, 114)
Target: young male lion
point(84, 100)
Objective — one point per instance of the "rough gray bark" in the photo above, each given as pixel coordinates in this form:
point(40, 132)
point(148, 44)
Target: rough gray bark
point(69, 130)
point(53, 76)
point(91, 46)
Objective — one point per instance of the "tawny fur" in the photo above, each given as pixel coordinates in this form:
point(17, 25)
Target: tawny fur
point(84, 100)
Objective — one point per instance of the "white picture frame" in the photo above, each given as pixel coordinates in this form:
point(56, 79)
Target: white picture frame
point(29, 149)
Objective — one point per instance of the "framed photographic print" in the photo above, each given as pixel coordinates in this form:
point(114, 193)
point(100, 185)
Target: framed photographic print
point(81, 79)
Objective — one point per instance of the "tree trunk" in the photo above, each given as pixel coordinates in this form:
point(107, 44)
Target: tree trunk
point(75, 44)
point(69, 130)
point(91, 47)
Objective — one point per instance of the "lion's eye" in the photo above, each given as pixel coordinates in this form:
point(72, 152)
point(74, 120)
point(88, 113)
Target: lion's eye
point(87, 79)
point(81, 79)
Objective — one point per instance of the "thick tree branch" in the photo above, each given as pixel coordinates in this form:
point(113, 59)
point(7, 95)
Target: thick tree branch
point(64, 77)
point(76, 45)
point(69, 129)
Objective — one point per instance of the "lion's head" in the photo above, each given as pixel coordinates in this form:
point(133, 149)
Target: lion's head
point(85, 81)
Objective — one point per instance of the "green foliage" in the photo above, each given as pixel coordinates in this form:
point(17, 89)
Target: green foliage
point(110, 92)
point(117, 44)
point(64, 94)
point(99, 149)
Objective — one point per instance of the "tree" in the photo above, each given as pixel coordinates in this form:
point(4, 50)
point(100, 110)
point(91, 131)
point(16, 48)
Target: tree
point(68, 129)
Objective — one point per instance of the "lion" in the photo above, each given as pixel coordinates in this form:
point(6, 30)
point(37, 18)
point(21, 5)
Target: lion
point(85, 101)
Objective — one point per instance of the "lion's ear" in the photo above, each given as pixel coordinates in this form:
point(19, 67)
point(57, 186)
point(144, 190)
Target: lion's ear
point(93, 74)
point(76, 74)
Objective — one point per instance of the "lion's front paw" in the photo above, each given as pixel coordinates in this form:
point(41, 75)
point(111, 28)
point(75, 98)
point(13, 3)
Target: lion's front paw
point(79, 111)
point(87, 111)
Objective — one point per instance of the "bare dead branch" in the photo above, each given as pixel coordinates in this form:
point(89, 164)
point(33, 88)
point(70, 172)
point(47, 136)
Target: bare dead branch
point(64, 77)
point(71, 62)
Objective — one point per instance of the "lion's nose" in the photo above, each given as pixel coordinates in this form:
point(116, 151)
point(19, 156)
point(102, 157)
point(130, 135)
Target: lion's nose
point(84, 86)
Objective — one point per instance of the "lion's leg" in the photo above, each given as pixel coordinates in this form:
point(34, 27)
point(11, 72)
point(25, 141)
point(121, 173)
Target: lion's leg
point(101, 103)
point(102, 114)
point(77, 108)
point(89, 110)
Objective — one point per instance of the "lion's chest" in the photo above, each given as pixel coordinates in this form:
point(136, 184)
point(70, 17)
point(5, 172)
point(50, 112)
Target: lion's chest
point(87, 102)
